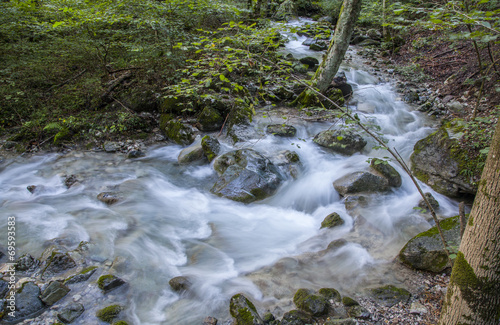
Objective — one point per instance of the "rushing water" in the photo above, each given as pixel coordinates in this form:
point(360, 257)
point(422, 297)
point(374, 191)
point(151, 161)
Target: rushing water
point(169, 224)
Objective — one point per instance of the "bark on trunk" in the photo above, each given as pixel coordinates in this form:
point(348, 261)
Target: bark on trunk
point(343, 31)
point(473, 293)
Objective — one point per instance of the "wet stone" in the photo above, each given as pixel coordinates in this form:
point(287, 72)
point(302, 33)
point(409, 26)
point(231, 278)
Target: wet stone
point(71, 312)
point(28, 302)
point(54, 292)
point(179, 283)
point(109, 282)
point(108, 197)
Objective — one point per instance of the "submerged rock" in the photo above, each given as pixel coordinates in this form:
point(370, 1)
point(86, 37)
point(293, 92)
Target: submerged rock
point(71, 312)
point(425, 251)
point(246, 176)
point(108, 197)
point(244, 311)
point(360, 182)
point(344, 142)
point(288, 162)
point(54, 292)
point(180, 283)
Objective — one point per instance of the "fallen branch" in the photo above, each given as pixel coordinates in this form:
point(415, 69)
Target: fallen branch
point(67, 81)
point(115, 84)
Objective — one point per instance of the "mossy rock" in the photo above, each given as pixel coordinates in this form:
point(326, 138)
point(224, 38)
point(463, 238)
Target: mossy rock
point(109, 282)
point(179, 132)
point(281, 130)
point(330, 293)
point(440, 162)
point(386, 170)
point(360, 182)
point(191, 154)
point(180, 283)
point(390, 295)
point(336, 95)
point(244, 311)
point(425, 251)
point(210, 119)
point(343, 142)
point(211, 147)
point(108, 314)
point(296, 317)
point(432, 201)
point(349, 302)
point(332, 220)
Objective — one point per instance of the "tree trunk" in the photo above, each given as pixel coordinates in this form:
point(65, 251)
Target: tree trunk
point(473, 295)
point(348, 16)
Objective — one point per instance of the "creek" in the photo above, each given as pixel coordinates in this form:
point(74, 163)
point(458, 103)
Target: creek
point(168, 223)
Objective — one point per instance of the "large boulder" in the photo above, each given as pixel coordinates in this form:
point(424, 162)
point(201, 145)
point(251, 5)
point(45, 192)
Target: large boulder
point(246, 176)
point(313, 304)
point(244, 311)
point(425, 251)
point(438, 161)
point(360, 182)
point(344, 142)
point(28, 303)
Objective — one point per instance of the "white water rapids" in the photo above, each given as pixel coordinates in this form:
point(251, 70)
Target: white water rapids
point(169, 224)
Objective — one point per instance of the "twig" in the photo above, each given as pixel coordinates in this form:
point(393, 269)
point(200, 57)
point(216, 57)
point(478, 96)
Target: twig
point(123, 105)
point(67, 81)
point(115, 83)
point(222, 127)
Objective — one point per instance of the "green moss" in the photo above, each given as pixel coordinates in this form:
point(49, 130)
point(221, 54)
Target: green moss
point(109, 313)
point(300, 296)
point(102, 278)
point(88, 269)
point(332, 220)
point(446, 224)
point(164, 119)
point(348, 302)
point(330, 294)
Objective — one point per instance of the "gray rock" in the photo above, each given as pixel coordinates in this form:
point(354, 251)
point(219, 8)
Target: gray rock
point(4, 288)
point(70, 181)
point(309, 41)
point(110, 146)
point(332, 220)
point(360, 182)
point(71, 312)
point(331, 293)
point(180, 133)
point(296, 317)
point(288, 162)
point(386, 170)
point(346, 143)
point(108, 197)
point(210, 321)
point(358, 312)
point(244, 311)
point(27, 263)
point(246, 176)
point(132, 154)
point(455, 107)
point(436, 160)
point(81, 277)
point(281, 130)
point(58, 262)
point(310, 303)
point(417, 308)
point(425, 251)
point(192, 153)
point(28, 303)
point(210, 146)
point(180, 283)
point(390, 295)
point(54, 292)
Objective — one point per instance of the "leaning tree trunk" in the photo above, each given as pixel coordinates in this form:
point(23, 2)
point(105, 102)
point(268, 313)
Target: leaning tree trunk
point(343, 31)
point(473, 295)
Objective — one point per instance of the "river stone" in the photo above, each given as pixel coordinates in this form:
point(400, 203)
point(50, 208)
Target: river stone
point(108, 314)
point(108, 197)
point(28, 303)
point(346, 143)
point(310, 61)
point(358, 312)
point(288, 162)
point(332, 220)
point(191, 154)
point(386, 170)
point(180, 283)
point(425, 251)
point(179, 132)
point(133, 154)
point(71, 312)
point(281, 130)
point(360, 182)
point(313, 304)
point(84, 275)
point(390, 295)
point(109, 282)
point(296, 317)
point(344, 321)
point(54, 292)
point(308, 42)
point(210, 146)
point(245, 176)
point(331, 293)
point(58, 262)
point(244, 311)
point(437, 160)
point(4, 288)
point(70, 181)
point(210, 119)
point(209, 320)
point(27, 263)
point(433, 202)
